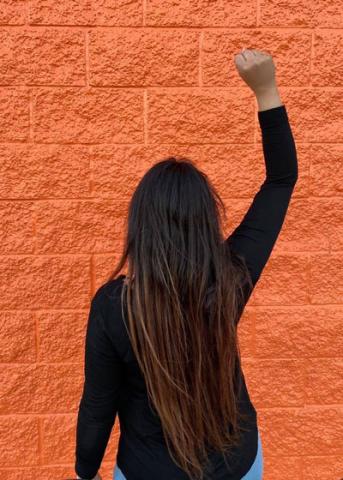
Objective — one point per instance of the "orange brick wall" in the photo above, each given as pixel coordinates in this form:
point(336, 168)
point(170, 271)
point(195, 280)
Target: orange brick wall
point(91, 94)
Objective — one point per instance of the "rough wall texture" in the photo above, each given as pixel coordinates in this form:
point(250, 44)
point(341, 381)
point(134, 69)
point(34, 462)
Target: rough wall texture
point(91, 94)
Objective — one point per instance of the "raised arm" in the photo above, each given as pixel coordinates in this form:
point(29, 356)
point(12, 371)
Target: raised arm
point(255, 236)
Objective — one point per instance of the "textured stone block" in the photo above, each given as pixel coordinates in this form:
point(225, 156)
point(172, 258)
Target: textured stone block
point(326, 278)
point(284, 281)
point(13, 13)
point(326, 170)
point(19, 441)
point(79, 226)
point(298, 332)
point(61, 335)
point(236, 189)
point(281, 467)
point(103, 265)
point(86, 12)
point(139, 57)
point(286, 431)
point(44, 171)
point(48, 282)
point(308, 113)
point(275, 383)
point(199, 116)
point(54, 429)
point(18, 337)
point(76, 115)
point(300, 231)
point(14, 114)
point(301, 14)
point(327, 67)
point(40, 388)
point(322, 468)
point(17, 221)
point(202, 14)
point(323, 381)
point(42, 56)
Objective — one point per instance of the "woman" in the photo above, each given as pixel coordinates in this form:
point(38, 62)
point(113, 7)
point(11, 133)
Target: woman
point(161, 344)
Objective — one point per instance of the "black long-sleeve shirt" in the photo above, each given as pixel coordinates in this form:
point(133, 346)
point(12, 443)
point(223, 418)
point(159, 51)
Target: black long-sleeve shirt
point(113, 380)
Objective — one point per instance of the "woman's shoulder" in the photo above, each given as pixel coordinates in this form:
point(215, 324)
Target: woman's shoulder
point(109, 290)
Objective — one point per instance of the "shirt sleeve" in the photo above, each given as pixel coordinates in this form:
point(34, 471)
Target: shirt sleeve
point(255, 236)
point(99, 401)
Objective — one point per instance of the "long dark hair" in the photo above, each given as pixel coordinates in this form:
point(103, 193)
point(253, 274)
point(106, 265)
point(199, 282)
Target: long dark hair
point(183, 295)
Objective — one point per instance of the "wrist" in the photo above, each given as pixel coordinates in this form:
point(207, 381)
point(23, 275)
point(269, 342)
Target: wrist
point(268, 98)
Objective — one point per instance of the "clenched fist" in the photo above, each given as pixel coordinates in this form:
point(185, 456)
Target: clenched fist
point(257, 69)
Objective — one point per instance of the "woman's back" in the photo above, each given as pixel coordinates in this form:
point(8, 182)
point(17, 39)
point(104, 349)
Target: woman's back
point(142, 450)
point(114, 382)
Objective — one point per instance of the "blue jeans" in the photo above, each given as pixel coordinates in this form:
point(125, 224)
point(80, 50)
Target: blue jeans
point(255, 472)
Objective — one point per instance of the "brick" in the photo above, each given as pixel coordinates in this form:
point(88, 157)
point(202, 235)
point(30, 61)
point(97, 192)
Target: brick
point(326, 170)
point(323, 380)
point(322, 468)
point(14, 114)
point(283, 281)
point(86, 12)
point(103, 266)
point(36, 171)
point(301, 14)
point(17, 222)
point(298, 332)
point(275, 383)
point(291, 49)
point(222, 163)
point(308, 111)
point(193, 116)
point(58, 387)
point(328, 213)
point(48, 282)
point(300, 231)
point(13, 13)
point(281, 467)
point(144, 57)
point(18, 338)
point(325, 71)
point(202, 14)
point(112, 162)
point(326, 278)
point(40, 388)
point(67, 115)
point(61, 335)
point(71, 226)
point(42, 56)
point(17, 388)
point(18, 441)
point(58, 439)
point(19, 473)
point(311, 430)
